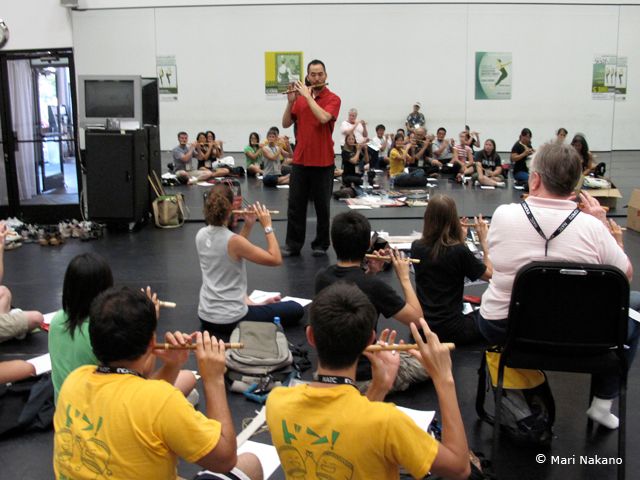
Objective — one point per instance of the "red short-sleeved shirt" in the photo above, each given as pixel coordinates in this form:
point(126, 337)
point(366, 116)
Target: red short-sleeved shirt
point(314, 143)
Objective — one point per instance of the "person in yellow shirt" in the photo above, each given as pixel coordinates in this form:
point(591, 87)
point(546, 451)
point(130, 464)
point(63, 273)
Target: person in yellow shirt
point(112, 422)
point(399, 157)
point(327, 429)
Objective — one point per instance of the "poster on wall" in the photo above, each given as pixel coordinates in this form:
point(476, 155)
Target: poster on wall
point(493, 75)
point(167, 77)
point(280, 69)
point(603, 78)
point(621, 79)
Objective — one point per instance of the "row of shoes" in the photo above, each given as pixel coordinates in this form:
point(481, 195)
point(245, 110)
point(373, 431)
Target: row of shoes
point(52, 235)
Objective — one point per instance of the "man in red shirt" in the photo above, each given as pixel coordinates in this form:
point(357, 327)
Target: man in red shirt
point(314, 110)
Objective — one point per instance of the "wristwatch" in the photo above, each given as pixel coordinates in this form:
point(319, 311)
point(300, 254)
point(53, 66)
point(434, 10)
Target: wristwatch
point(268, 230)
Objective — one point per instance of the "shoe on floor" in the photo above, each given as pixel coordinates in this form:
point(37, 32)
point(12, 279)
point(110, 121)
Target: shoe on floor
point(318, 252)
point(287, 252)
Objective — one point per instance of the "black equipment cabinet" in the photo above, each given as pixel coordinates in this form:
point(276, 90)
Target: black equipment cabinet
point(117, 165)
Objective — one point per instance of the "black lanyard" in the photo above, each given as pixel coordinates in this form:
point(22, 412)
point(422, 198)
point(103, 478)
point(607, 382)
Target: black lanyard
point(118, 370)
point(558, 231)
point(335, 380)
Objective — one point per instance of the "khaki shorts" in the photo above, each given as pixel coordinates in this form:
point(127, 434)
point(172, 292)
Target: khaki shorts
point(13, 324)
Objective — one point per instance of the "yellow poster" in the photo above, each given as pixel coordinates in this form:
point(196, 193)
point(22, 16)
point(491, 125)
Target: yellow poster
point(280, 69)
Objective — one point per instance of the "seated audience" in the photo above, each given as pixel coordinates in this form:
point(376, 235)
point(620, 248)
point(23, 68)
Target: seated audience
point(287, 152)
point(111, 421)
point(203, 152)
point(399, 157)
point(354, 157)
point(378, 148)
point(445, 262)
point(488, 166)
point(272, 154)
point(582, 147)
point(216, 151)
point(588, 238)
point(442, 147)
point(253, 155)
point(223, 296)
point(521, 156)
point(355, 126)
point(183, 156)
point(366, 438)
point(87, 276)
point(473, 140)
point(422, 156)
point(561, 135)
point(415, 119)
point(14, 323)
point(463, 157)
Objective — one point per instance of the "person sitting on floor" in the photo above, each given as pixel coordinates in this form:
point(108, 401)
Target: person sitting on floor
point(354, 157)
point(422, 156)
point(463, 157)
point(253, 155)
point(442, 147)
point(588, 238)
point(272, 154)
point(112, 421)
point(364, 437)
point(399, 157)
point(445, 262)
point(87, 275)
point(379, 147)
point(183, 156)
point(582, 147)
point(488, 166)
point(521, 153)
point(14, 323)
point(223, 296)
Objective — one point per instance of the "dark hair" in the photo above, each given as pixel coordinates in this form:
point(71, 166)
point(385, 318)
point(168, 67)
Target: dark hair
point(218, 205)
point(182, 133)
point(401, 130)
point(212, 133)
point(381, 126)
point(272, 131)
point(559, 167)
point(399, 136)
point(276, 129)
point(441, 228)
point(316, 62)
point(467, 128)
point(493, 153)
point(87, 275)
point(584, 150)
point(252, 134)
point(441, 129)
point(123, 321)
point(203, 134)
point(350, 236)
point(526, 132)
point(562, 130)
point(342, 319)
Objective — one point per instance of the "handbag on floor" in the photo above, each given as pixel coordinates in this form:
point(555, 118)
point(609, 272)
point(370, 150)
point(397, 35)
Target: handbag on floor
point(169, 211)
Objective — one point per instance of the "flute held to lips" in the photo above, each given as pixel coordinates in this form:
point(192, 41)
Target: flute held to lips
point(386, 258)
point(401, 347)
point(193, 346)
point(241, 212)
point(313, 87)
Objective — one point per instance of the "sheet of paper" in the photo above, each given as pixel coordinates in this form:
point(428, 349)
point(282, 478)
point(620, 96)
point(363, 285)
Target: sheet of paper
point(266, 453)
point(302, 301)
point(42, 364)
point(634, 315)
point(283, 186)
point(203, 184)
point(423, 418)
point(48, 317)
point(360, 207)
point(400, 245)
point(466, 308)
point(260, 296)
point(487, 187)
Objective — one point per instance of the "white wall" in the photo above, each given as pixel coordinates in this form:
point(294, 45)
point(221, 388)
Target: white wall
point(380, 58)
point(35, 24)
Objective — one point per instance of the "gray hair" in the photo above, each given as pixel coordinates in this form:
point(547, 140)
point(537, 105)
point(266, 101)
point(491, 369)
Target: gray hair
point(353, 110)
point(559, 167)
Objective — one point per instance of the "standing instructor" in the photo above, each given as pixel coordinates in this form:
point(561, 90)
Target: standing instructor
point(313, 109)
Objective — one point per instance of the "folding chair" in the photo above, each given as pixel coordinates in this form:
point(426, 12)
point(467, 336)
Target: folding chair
point(572, 318)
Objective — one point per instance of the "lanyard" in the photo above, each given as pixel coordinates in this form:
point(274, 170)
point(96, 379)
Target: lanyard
point(335, 380)
point(558, 231)
point(118, 370)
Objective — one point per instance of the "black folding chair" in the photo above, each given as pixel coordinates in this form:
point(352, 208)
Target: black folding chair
point(568, 317)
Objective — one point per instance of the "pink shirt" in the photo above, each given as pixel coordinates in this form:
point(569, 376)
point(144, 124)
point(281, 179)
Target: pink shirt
point(513, 243)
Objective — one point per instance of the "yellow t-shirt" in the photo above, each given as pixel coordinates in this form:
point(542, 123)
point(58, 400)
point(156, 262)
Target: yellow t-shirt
point(335, 432)
point(120, 426)
point(396, 162)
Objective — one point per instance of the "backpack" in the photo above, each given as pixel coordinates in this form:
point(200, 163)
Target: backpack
point(26, 406)
point(263, 363)
point(528, 408)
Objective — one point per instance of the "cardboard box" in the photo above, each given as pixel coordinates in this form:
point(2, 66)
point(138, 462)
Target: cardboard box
point(608, 197)
point(633, 212)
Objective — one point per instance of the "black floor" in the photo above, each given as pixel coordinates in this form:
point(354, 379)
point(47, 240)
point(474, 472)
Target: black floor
point(167, 261)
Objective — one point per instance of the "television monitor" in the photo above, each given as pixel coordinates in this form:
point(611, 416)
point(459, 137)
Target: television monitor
point(116, 97)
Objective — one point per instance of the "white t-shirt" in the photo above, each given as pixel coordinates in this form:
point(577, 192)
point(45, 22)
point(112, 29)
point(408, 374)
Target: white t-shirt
point(345, 127)
point(513, 243)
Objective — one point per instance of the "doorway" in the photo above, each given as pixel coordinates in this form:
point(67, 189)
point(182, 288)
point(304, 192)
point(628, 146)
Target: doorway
point(40, 172)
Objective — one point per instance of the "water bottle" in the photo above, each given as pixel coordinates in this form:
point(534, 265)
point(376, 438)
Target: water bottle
point(276, 320)
point(392, 182)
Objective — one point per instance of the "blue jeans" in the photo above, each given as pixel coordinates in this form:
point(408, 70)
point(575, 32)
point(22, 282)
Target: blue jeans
point(521, 176)
point(290, 313)
point(605, 384)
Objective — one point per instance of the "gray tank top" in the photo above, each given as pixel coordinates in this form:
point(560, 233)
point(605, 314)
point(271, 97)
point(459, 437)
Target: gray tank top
point(224, 280)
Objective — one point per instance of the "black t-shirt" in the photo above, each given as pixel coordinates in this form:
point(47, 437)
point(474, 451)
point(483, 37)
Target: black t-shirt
point(488, 162)
point(521, 165)
point(383, 297)
point(440, 282)
point(348, 168)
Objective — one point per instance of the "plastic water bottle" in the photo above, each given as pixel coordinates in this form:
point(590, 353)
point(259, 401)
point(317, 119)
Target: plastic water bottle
point(392, 182)
point(276, 320)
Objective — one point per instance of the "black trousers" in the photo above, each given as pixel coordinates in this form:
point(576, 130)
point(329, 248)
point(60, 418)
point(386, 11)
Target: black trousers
point(308, 183)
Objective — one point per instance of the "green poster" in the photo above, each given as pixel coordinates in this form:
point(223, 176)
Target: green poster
point(603, 79)
point(493, 75)
point(281, 69)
